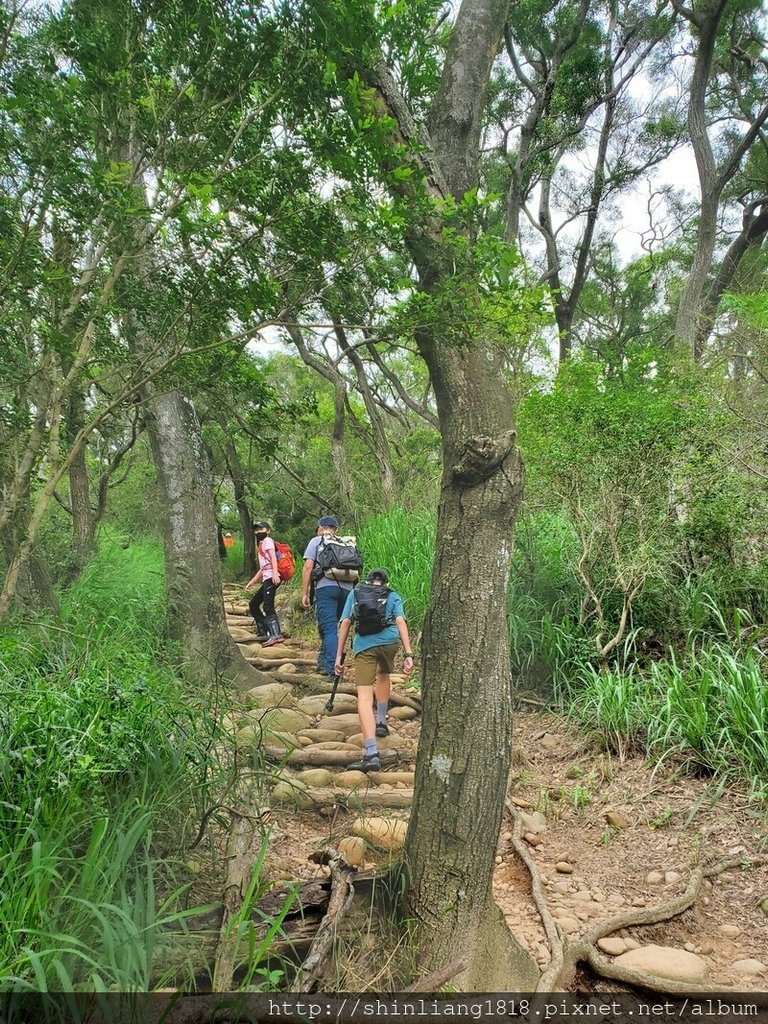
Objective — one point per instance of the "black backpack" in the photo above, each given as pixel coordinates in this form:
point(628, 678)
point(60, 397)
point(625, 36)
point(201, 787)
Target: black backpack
point(370, 608)
point(338, 559)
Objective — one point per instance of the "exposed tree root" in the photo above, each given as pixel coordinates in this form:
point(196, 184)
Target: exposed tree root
point(342, 891)
point(550, 929)
point(566, 955)
point(242, 850)
point(434, 982)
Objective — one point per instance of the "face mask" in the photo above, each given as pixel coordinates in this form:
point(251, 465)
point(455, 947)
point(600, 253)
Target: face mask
point(260, 537)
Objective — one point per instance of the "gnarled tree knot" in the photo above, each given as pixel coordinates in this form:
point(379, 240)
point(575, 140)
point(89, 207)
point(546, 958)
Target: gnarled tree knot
point(481, 456)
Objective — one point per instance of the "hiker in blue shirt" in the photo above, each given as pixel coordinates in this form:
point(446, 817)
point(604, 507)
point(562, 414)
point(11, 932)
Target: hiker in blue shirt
point(380, 626)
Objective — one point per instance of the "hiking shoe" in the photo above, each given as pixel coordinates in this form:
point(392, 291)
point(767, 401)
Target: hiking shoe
point(370, 763)
point(382, 729)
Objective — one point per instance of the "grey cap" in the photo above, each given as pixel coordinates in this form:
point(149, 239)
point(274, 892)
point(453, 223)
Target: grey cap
point(330, 521)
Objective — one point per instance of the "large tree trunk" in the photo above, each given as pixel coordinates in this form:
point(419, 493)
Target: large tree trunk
point(193, 576)
point(464, 751)
point(83, 518)
point(34, 589)
point(83, 530)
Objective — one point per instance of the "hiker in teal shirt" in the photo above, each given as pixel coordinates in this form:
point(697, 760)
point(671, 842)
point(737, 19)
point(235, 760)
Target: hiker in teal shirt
point(380, 626)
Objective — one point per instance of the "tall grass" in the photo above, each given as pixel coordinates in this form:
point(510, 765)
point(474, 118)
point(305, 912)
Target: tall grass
point(709, 706)
point(100, 752)
point(547, 642)
point(232, 563)
point(706, 702)
point(403, 543)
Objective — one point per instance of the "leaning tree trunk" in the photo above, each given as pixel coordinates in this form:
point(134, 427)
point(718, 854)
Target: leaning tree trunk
point(195, 606)
point(237, 476)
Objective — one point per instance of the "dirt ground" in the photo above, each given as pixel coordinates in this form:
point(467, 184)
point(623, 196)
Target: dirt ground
point(610, 835)
point(670, 819)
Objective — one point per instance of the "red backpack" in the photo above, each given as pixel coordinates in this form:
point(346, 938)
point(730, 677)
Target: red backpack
point(286, 566)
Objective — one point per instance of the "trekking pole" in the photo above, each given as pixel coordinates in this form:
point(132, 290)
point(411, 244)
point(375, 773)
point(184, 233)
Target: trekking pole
point(336, 681)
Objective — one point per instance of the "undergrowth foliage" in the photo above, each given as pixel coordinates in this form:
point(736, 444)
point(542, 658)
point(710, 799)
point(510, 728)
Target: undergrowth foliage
point(707, 705)
point(689, 680)
point(102, 756)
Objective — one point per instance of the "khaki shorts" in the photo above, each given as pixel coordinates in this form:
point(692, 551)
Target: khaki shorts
point(367, 663)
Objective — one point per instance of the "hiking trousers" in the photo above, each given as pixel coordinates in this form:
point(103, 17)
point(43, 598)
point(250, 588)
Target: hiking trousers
point(262, 603)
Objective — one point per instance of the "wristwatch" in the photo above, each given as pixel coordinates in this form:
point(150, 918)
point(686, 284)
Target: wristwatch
point(407, 654)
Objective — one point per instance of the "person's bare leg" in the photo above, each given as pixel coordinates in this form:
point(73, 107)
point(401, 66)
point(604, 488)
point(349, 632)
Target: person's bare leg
point(370, 759)
point(382, 689)
point(365, 712)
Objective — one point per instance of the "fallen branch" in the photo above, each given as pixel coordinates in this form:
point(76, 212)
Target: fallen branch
point(342, 892)
point(530, 700)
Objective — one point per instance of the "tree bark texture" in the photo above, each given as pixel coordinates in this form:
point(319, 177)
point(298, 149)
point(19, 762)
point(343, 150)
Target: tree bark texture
point(464, 750)
point(83, 518)
point(35, 586)
point(83, 522)
point(195, 606)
